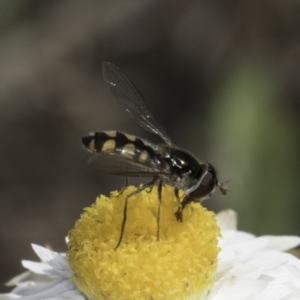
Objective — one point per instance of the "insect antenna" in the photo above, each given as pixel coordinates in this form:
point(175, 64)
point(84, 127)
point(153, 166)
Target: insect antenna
point(222, 187)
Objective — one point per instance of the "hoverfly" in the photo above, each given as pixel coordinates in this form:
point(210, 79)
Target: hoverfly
point(120, 153)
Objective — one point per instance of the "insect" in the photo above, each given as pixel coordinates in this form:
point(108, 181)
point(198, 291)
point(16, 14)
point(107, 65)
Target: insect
point(120, 153)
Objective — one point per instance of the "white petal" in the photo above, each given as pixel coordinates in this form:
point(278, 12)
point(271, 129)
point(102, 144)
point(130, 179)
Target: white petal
point(19, 278)
point(43, 253)
point(242, 250)
point(231, 237)
point(234, 288)
point(70, 295)
point(283, 243)
point(56, 260)
point(8, 296)
point(39, 268)
point(46, 280)
point(249, 269)
point(38, 291)
point(61, 265)
point(227, 219)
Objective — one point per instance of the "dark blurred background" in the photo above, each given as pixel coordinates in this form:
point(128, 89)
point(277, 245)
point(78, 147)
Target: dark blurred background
point(223, 76)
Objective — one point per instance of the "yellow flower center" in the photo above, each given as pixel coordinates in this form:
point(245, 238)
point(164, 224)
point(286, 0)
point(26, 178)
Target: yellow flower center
point(181, 265)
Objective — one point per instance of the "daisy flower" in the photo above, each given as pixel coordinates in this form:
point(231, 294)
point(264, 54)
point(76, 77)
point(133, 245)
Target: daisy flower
point(193, 259)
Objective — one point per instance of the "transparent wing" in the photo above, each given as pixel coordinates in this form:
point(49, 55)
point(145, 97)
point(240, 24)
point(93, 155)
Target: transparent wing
point(116, 165)
point(129, 97)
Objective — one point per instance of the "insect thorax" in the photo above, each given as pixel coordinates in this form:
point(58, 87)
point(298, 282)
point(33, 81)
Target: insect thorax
point(184, 169)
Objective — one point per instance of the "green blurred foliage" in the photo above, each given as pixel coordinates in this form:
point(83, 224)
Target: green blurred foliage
point(257, 140)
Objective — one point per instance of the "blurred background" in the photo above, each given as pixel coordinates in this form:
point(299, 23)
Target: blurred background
point(223, 77)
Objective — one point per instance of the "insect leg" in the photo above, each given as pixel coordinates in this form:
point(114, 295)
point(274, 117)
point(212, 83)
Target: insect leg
point(125, 185)
point(159, 188)
point(176, 192)
point(150, 190)
point(145, 186)
point(178, 213)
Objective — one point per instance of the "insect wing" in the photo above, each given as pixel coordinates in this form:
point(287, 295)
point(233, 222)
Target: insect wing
point(116, 165)
point(129, 97)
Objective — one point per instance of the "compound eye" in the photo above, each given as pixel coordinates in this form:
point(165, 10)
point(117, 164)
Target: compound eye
point(205, 188)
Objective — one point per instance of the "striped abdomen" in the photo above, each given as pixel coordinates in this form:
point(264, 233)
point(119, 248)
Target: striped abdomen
point(121, 144)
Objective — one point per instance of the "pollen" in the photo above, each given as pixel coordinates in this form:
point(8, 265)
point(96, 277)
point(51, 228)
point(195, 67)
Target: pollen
point(180, 265)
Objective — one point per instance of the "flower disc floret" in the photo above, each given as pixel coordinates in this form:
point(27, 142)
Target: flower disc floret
point(180, 265)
